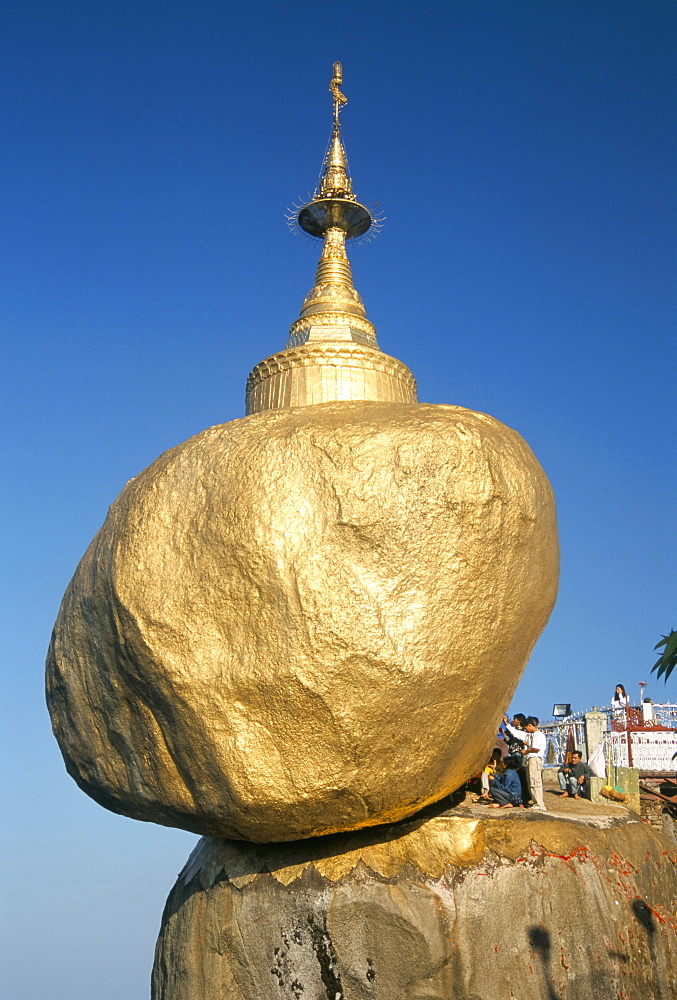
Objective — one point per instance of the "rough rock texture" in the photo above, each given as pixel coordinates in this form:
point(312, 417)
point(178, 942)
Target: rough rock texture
point(304, 621)
point(516, 908)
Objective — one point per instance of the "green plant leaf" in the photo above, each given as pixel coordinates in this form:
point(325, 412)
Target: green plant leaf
point(667, 662)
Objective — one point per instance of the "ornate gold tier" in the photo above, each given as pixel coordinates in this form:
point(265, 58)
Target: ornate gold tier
point(327, 373)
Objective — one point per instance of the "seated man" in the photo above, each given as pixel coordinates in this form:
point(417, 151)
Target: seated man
point(506, 789)
point(573, 777)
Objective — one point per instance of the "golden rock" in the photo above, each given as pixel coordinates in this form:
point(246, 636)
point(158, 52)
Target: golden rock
point(305, 621)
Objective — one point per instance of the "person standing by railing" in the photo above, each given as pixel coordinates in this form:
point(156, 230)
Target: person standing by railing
point(620, 700)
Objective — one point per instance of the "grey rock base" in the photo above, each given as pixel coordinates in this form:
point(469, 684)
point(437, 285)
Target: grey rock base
point(569, 921)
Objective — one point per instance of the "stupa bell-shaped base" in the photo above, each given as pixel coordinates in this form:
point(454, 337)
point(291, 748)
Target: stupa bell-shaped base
point(327, 373)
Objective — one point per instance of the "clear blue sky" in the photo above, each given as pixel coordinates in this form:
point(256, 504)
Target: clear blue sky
point(523, 152)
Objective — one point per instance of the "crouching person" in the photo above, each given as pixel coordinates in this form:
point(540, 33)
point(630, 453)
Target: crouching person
point(573, 777)
point(506, 788)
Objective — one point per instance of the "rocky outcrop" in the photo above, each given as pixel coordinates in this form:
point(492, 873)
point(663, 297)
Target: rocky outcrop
point(305, 621)
point(462, 906)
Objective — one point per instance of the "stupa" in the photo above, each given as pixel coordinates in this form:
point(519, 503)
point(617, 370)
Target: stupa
point(332, 353)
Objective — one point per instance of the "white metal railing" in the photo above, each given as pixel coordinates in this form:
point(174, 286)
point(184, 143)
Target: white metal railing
point(557, 737)
point(666, 715)
point(651, 749)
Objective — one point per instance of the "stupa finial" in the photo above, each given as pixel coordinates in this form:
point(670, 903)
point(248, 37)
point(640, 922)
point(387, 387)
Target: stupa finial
point(335, 87)
point(335, 181)
point(334, 205)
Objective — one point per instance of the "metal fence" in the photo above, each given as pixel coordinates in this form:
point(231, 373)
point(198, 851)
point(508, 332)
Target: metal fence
point(558, 735)
point(666, 715)
point(645, 750)
point(638, 730)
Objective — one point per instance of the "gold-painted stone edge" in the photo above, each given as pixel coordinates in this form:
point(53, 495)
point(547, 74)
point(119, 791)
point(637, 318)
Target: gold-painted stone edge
point(431, 847)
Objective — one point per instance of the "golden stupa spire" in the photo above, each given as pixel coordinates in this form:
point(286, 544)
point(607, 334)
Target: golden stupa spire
point(335, 180)
point(332, 353)
point(333, 309)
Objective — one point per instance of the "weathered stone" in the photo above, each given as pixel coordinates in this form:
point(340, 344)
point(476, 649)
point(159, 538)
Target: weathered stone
point(305, 621)
point(532, 907)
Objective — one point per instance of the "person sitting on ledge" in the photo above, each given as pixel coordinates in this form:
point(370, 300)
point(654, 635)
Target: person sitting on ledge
point(494, 766)
point(573, 777)
point(506, 788)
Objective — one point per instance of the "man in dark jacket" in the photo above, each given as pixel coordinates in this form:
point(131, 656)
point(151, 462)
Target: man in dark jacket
point(573, 777)
point(505, 789)
point(516, 749)
point(515, 746)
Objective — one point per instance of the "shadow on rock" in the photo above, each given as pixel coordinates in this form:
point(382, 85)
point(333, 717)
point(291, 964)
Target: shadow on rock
point(539, 939)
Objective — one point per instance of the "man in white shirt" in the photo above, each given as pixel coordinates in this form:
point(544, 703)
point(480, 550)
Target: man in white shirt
point(535, 749)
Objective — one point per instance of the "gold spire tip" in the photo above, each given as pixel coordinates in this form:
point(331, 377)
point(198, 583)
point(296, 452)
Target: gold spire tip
point(340, 100)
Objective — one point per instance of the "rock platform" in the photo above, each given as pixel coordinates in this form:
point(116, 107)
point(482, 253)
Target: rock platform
point(467, 903)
